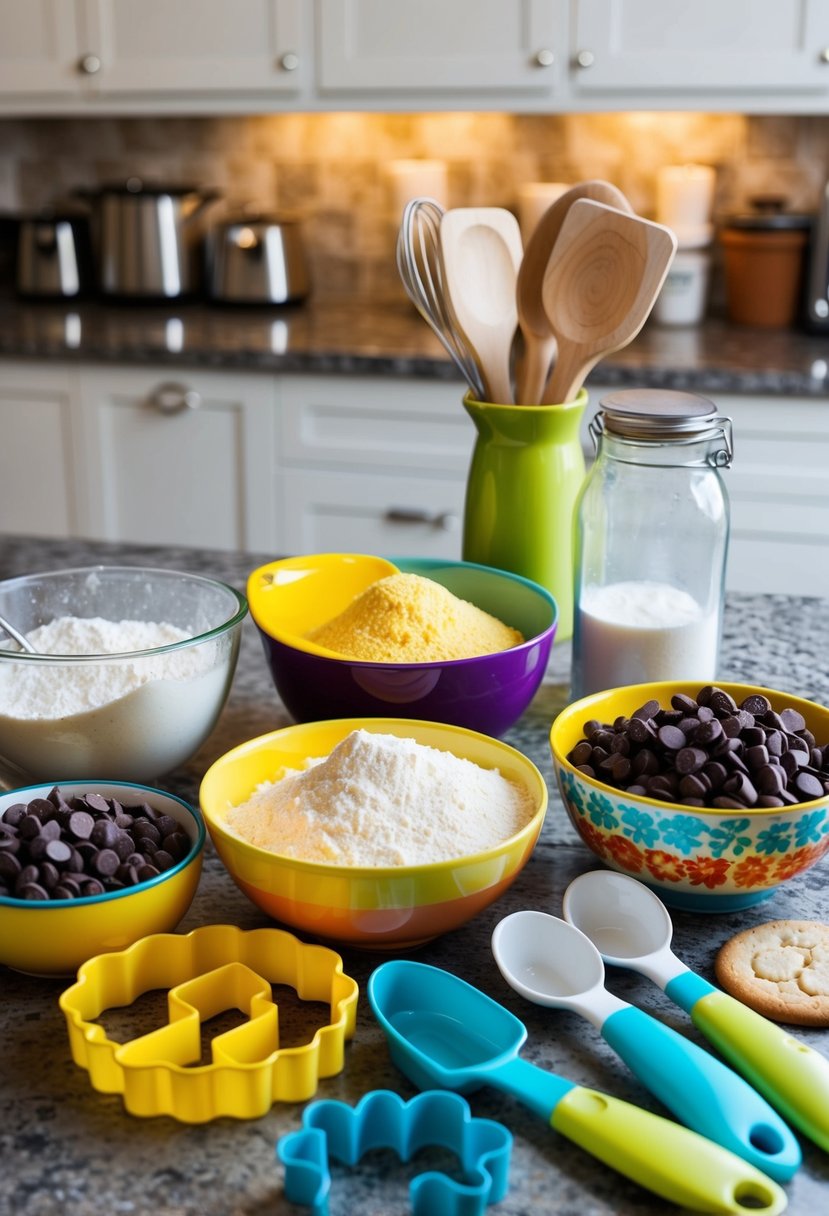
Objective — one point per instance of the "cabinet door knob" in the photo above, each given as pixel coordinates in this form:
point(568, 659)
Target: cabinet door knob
point(544, 58)
point(89, 64)
point(824, 55)
point(443, 521)
point(585, 59)
point(174, 398)
point(289, 61)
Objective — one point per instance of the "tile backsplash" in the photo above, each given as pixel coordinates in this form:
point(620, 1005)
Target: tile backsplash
point(332, 169)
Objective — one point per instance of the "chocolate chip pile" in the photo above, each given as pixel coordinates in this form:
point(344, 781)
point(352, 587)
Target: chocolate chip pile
point(708, 752)
point(59, 848)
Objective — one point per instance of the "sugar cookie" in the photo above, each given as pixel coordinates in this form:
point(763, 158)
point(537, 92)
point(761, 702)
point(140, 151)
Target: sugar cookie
point(780, 969)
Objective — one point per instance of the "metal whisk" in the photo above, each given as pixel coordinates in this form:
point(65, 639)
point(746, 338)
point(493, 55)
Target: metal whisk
point(420, 265)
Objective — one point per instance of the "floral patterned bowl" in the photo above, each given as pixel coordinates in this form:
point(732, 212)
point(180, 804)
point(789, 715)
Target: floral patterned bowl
point(696, 858)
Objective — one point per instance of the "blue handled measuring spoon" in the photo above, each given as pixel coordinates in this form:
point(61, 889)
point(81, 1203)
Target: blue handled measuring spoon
point(630, 927)
point(552, 963)
point(443, 1032)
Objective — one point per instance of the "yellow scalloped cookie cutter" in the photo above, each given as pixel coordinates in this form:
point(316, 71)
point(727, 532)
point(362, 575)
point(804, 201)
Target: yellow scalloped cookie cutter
point(207, 971)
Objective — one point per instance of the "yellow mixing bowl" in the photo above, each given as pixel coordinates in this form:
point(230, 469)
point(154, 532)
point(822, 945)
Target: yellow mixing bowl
point(294, 596)
point(382, 907)
point(53, 937)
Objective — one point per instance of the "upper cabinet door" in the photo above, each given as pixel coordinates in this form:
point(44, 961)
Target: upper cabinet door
point(208, 47)
point(39, 47)
point(708, 46)
point(440, 46)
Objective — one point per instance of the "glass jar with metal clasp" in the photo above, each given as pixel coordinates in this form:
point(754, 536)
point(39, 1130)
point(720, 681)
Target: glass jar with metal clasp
point(651, 542)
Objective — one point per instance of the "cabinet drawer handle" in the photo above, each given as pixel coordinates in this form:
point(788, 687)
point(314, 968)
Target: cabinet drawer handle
point(174, 398)
point(443, 521)
point(89, 65)
point(289, 61)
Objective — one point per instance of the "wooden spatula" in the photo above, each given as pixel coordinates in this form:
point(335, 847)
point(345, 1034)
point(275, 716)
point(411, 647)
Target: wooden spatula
point(601, 281)
point(482, 249)
point(539, 342)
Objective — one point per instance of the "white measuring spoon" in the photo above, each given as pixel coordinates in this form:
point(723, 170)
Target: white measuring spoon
point(552, 963)
point(630, 926)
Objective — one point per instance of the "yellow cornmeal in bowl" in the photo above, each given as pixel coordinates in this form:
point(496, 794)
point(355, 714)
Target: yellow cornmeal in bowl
point(406, 618)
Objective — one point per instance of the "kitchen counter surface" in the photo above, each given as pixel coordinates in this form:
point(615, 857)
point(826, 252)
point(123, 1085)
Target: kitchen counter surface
point(364, 338)
point(66, 1149)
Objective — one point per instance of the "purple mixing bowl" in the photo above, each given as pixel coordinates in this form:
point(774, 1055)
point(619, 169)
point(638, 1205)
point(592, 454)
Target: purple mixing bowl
point(487, 693)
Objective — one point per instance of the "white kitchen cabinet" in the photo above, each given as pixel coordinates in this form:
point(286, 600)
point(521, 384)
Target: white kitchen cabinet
point(38, 466)
point(778, 490)
point(309, 463)
point(705, 50)
point(40, 47)
point(336, 512)
point(197, 46)
point(257, 56)
point(373, 464)
point(175, 455)
point(88, 56)
point(378, 423)
point(466, 46)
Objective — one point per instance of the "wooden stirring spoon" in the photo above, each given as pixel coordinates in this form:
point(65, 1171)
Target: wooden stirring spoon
point(539, 342)
point(482, 249)
point(601, 281)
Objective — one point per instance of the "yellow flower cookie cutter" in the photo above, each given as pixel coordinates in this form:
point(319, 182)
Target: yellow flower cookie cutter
point(207, 971)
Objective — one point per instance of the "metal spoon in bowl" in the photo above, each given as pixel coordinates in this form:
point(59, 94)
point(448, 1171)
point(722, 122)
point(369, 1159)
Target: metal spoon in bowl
point(19, 637)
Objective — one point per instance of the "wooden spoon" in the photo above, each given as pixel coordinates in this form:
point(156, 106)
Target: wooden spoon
point(602, 279)
point(539, 342)
point(482, 250)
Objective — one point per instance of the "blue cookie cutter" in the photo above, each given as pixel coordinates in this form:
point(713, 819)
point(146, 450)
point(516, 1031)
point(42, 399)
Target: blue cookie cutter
point(382, 1119)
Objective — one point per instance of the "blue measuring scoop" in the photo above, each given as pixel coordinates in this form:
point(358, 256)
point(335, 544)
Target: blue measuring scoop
point(444, 1032)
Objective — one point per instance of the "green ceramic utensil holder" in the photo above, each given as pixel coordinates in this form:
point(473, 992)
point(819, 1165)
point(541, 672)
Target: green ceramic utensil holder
point(526, 472)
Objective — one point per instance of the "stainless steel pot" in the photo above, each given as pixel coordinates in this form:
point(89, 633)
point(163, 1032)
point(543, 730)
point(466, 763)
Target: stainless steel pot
point(257, 260)
point(54, 257)
point(149, 238)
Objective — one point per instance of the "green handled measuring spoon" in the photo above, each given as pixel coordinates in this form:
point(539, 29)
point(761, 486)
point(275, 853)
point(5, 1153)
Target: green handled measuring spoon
point(630, 927)
point(443, 1032)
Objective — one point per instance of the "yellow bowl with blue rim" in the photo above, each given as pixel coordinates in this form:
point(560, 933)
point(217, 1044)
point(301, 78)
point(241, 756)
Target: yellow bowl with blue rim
point(53, 937)
point(375, 907)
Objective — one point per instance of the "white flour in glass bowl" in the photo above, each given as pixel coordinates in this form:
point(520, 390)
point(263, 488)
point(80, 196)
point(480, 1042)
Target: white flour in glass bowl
point(131, 718)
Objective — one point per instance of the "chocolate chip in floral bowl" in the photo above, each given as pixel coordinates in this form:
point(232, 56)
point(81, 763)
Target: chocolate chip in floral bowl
point(713, 795)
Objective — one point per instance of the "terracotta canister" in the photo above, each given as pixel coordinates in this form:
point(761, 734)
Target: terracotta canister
point(763, 254)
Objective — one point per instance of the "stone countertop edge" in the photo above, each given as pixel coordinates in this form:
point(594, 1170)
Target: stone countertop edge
point(364, 338)
point(67, 1149)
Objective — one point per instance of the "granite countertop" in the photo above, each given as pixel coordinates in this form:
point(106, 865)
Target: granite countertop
point(68, 1149)
point(364, 337)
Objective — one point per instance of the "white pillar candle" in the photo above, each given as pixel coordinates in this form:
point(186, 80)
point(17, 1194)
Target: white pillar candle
point(534, 198)
point(684, 197)
point(417, 179)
